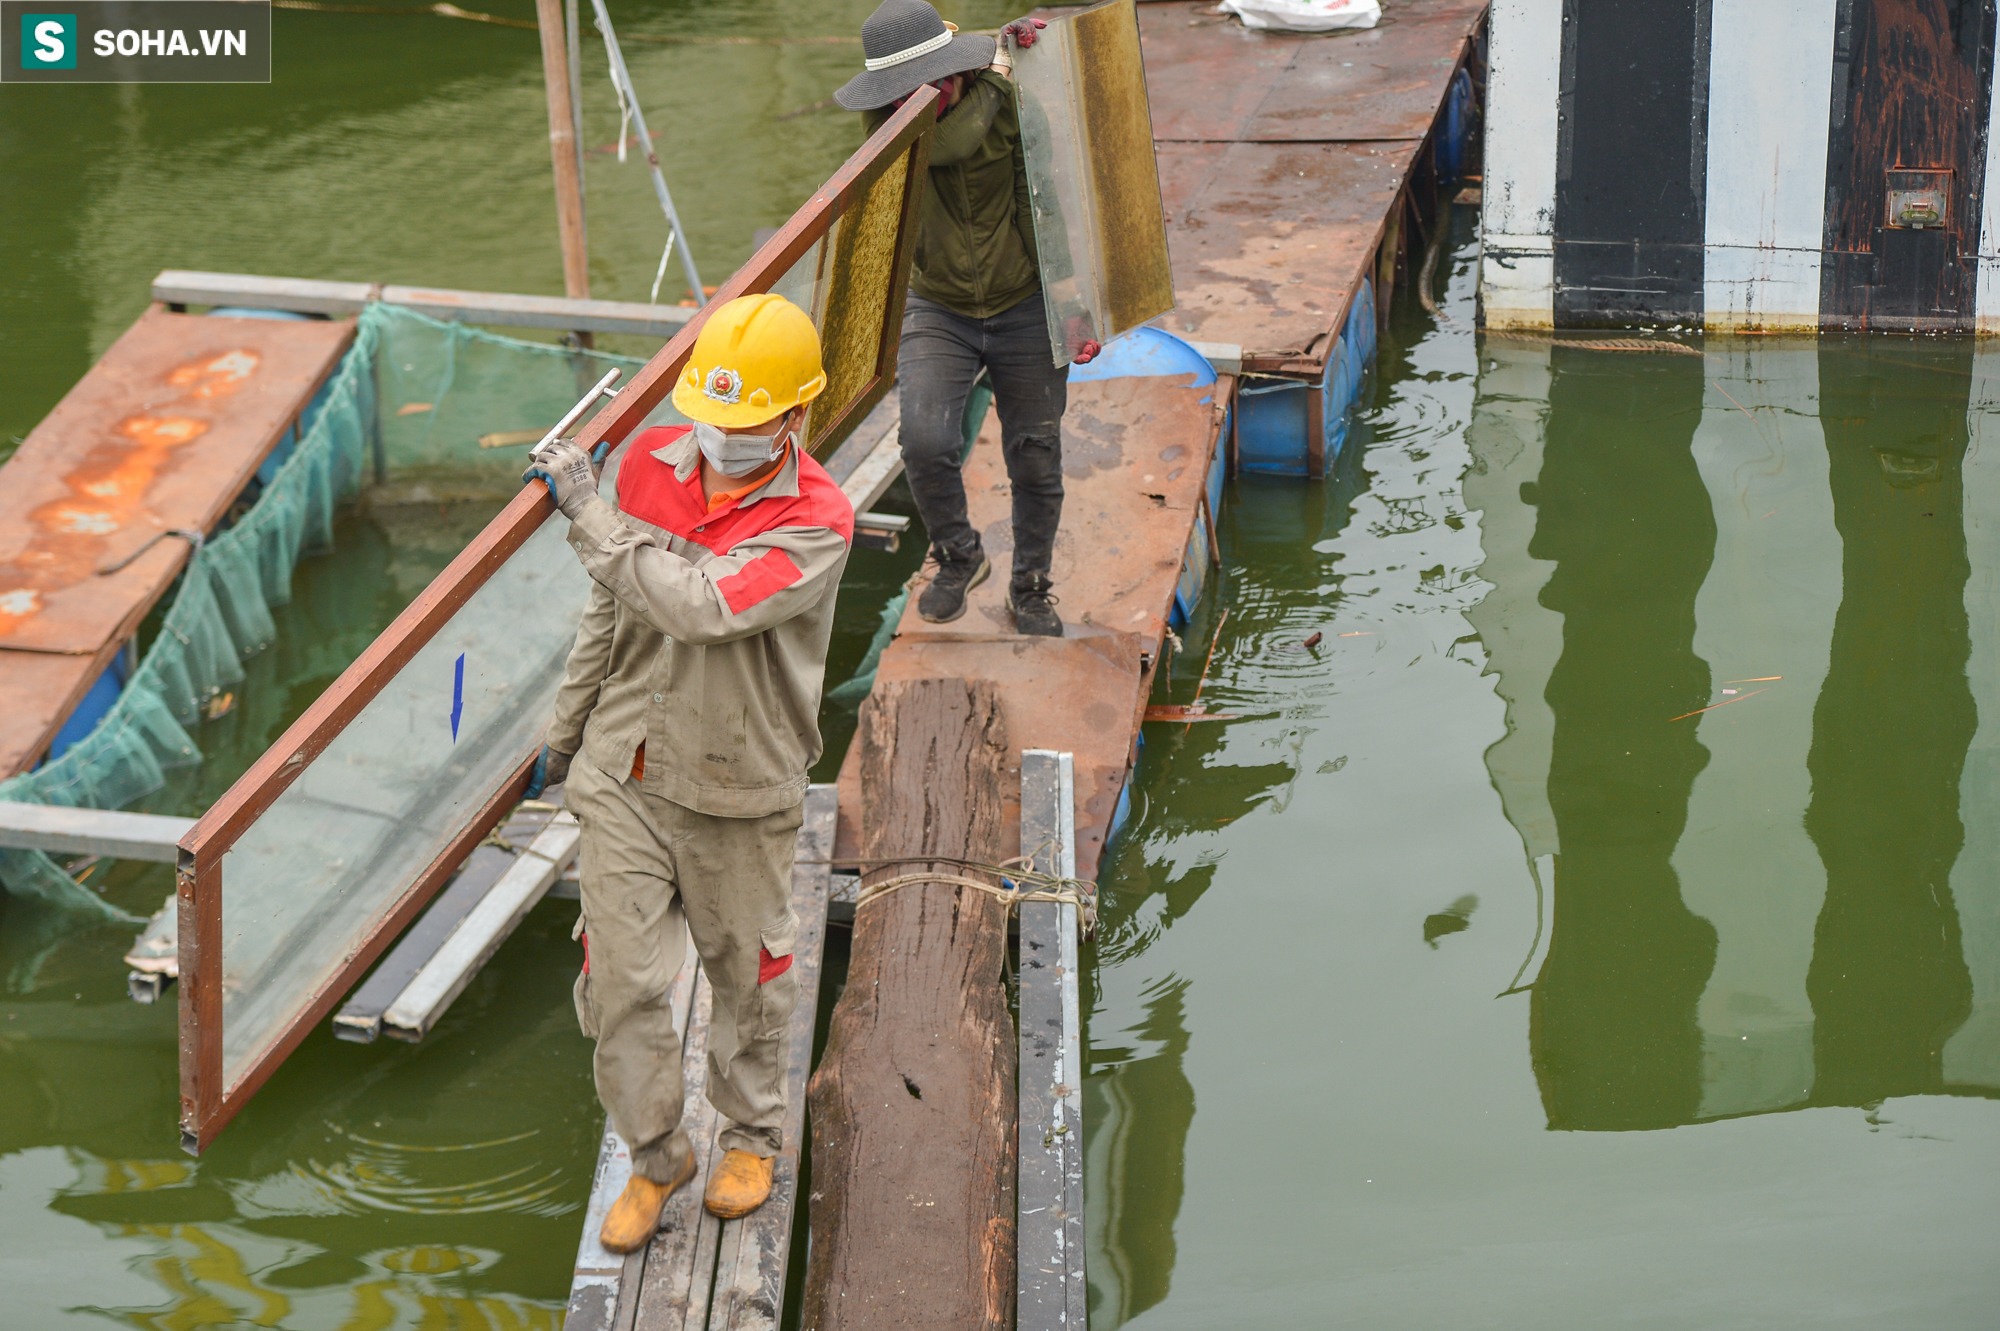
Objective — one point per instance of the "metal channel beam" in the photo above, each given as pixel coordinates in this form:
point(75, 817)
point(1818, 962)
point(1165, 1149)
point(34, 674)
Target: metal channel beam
point(1050, 1288)
point(60, 831)
point(499, 308)
point(360, 1017)
point(479, 935)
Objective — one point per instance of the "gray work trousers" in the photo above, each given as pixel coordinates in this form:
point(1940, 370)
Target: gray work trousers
point(940, 356)
point(654, 872)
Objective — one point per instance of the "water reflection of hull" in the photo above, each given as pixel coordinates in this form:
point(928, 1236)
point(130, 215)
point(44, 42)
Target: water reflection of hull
point(1753, 907)
point(369, 1187)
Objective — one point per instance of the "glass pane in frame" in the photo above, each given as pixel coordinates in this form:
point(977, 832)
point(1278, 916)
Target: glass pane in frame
point(855, 297)
point(311, 879)
point(1087, 138)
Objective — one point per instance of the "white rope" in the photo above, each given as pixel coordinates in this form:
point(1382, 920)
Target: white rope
point(660, 276)
point(909, 52)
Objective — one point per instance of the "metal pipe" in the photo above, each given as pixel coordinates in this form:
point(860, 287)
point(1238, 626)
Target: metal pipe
point(570, 417)
point(623, 78)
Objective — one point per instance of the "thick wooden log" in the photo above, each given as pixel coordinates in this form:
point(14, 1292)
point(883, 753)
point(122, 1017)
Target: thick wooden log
point(913, 1104)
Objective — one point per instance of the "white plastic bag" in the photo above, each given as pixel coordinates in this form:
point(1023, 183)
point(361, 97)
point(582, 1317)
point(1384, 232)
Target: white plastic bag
point(1305, 15)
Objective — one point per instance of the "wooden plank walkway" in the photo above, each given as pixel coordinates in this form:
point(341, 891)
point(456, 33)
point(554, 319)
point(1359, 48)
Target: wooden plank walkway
point(700, 1272)
point(109, 470)
point(1287, 165)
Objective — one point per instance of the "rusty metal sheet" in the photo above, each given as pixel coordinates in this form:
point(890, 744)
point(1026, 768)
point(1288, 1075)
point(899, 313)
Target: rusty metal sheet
point(1135, 452)
point(1211, 79)
point(163, 432)
point(38, 690)
point(1269, 240)
point(1382, 83)
point(1206, 74)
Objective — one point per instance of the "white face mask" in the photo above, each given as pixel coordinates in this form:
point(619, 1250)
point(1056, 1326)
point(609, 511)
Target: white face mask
point(738, 454)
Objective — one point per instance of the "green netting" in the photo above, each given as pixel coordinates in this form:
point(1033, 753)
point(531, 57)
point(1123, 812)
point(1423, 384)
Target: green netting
point(466, 382)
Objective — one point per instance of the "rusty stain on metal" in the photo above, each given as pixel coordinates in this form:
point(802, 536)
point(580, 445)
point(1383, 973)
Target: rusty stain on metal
point(108, 471)
point(1913, 79)
point(1281, 156)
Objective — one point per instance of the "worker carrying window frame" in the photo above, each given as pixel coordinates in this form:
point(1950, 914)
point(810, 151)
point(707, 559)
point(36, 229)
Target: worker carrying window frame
point(975, 302)
point(683, 732)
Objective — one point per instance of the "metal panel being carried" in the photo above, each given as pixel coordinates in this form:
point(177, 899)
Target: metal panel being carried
point(299, 877)
point(1087, 135)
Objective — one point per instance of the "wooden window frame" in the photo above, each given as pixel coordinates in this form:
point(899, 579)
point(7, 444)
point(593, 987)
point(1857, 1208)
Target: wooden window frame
point(207, 1104)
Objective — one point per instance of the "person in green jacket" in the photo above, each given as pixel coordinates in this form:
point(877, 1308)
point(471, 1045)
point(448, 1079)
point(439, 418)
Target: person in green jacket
point(975, 302)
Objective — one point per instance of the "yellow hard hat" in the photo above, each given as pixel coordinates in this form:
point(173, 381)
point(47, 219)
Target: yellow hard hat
point(757, 357)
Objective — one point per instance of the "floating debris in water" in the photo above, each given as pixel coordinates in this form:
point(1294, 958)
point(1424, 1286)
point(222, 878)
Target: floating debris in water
point(415, 408)
point(1712, 706)
point(1452, 919)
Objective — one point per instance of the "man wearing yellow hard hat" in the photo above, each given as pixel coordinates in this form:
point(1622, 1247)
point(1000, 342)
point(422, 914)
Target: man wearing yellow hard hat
point(684, 729)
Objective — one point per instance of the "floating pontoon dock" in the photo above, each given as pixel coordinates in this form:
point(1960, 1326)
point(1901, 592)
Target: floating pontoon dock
point(1300, 179)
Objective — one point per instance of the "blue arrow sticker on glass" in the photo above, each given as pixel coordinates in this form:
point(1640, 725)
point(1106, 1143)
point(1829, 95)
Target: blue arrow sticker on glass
point(457, 696)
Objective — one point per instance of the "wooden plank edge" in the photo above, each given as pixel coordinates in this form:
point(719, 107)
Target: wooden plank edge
point(502, 309)
point(755, 1252)
point(599, 1275)
point(66, 831)
point(360, 1018)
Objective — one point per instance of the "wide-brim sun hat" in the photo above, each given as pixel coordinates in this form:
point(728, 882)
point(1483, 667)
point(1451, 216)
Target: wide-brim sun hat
point(907, 44)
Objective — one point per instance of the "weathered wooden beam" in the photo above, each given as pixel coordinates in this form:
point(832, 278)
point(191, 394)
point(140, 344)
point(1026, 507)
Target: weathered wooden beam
point(913, 1103)
point(61, 831)
point(1050, 1281)
point(498, 308)
point(562, 149)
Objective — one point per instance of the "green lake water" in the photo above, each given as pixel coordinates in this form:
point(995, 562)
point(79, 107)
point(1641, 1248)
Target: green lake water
point(1469, 981)
point(1475, 978)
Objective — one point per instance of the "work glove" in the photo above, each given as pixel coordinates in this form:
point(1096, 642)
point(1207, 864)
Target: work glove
point(551, 769)
point(1022, 30)
point(1083, 348)
point(565, 469)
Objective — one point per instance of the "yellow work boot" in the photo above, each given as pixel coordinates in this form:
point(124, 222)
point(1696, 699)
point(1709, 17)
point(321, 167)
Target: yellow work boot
point(633, 1218)
point(738, 1186)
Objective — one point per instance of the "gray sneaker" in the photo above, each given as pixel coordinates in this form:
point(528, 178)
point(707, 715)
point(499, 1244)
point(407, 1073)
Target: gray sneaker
point(1034, 609)
point(944, 600)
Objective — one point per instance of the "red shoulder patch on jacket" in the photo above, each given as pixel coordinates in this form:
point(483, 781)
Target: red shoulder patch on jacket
point(648, 489)
point(828, 504)
point(763, 577)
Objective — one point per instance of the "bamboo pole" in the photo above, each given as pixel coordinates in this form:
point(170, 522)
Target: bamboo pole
point(563, 148)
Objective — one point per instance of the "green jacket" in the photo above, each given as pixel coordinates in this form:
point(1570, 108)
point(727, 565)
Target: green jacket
point(976, 231)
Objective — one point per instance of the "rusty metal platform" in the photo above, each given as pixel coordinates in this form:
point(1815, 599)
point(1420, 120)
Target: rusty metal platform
point(1135, 454)
point(1282, 156)
point(164, 432)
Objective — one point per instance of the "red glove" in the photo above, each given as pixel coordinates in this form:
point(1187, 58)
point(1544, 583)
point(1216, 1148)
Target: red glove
point(1087, 352)
point(1022, 30)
